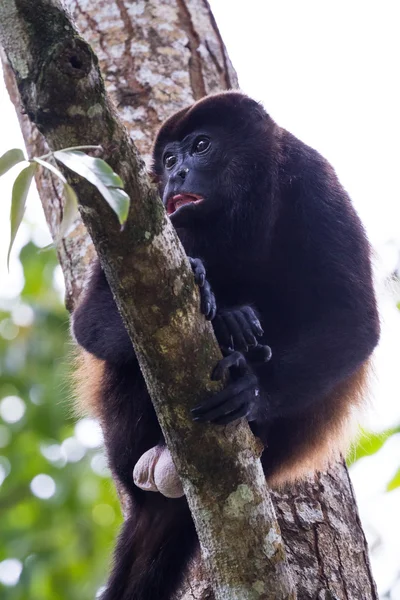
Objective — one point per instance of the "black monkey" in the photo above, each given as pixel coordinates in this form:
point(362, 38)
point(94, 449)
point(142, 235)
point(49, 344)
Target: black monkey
point(281, 241)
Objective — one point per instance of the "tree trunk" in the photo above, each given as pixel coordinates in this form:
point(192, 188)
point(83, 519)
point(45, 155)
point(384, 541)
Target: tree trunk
point(62, 91)
point(157, 57)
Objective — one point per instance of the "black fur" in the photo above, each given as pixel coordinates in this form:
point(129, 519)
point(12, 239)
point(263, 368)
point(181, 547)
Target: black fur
point(277, 233)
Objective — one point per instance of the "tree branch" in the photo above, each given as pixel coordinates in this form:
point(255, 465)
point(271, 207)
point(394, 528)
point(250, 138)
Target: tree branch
point(63, 94)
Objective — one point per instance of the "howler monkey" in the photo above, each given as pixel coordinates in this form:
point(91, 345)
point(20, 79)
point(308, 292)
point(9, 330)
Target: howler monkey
point(280, 240)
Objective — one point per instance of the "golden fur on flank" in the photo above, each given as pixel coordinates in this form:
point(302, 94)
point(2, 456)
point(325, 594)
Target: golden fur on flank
point(322, 436)
point(87, 380)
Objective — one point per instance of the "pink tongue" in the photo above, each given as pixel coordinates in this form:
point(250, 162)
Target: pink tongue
point(182, 201)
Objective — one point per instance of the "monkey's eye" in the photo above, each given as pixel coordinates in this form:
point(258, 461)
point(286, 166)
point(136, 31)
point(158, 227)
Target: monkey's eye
point(169, 161)
point(201, 145)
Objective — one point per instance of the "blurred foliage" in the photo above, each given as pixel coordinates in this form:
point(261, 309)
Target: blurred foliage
point(394, 482)
point(369, 443)
point(63, 542)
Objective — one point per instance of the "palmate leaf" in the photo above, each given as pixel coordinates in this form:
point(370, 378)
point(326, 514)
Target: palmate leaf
point(9, 159)
point(94, 170)
point(101, 175)
point(70, 212)
point(19, 194)
point(70, 209)
point(50, 167)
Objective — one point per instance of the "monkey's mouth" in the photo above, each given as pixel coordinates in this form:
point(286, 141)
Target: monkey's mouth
point(179, 200)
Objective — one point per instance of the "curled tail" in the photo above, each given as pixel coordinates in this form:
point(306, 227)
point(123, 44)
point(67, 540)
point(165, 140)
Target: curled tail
point(155, 544)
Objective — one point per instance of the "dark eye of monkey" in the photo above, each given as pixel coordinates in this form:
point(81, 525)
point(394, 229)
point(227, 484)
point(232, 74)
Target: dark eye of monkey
point(169, 161)
point(201, 145)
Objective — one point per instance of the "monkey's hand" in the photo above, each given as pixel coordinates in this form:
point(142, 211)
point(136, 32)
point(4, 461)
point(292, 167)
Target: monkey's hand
point(237, 328)
point(240, 398)
point(208, 305)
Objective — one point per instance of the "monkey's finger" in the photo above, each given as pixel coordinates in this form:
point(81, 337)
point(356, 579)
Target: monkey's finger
point(207, 301)
point(213, 308)
point(224, 411)
point(221, 332)
point(246, 328)
point(241, 412)
point(209, 411)
point(260, 354)
point(226, 351)
point(233, 359)
point(199, 270)
point(239, 341)
point(231, 398)
point(253, 320)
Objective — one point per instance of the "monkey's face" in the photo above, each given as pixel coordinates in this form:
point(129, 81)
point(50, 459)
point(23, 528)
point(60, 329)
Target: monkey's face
point(194, 176)
point(210, 159)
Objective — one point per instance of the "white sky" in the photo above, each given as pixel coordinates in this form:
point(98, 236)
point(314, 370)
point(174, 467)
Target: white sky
point(328, 72)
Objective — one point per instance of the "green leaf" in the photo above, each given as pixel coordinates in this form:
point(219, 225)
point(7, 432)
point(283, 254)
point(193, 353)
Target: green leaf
point(19, 194)
point(70, 212)
point(119, 202)
point(92, 169)
point(101, 175)
point(369, 443)
point(9, 159)
point(51, 168)
point(394, 483)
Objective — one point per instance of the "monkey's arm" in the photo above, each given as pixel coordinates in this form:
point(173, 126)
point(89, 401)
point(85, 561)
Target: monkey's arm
point(325, 306)
point(306, 370)
point(96, 323)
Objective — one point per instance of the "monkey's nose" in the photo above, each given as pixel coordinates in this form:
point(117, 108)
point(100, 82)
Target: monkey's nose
point(183, 171)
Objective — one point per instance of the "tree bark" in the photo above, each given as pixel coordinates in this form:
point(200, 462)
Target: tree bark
point(156, 58)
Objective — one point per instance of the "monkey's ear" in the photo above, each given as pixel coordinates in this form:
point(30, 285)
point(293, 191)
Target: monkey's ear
point(253, 108)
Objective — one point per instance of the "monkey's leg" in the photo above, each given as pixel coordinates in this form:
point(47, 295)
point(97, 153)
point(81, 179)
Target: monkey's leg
point(154, 547)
